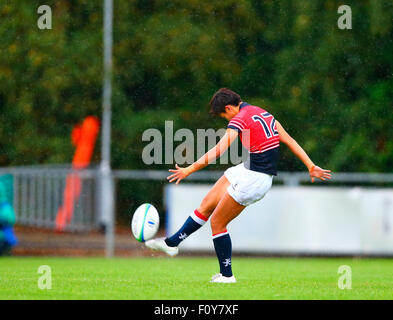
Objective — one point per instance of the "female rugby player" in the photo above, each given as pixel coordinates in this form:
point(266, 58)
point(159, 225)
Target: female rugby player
point(240, 185)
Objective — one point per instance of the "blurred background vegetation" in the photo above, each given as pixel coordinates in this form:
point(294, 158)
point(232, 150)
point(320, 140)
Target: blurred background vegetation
point(332, 89)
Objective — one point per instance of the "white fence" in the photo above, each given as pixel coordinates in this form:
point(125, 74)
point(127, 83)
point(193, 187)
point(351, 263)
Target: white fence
point(297, 220)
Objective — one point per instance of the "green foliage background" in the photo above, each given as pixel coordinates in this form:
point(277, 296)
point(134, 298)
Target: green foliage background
point(332, 89)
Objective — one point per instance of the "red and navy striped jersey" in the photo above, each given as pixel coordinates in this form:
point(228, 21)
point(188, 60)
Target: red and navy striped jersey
point(258, 134)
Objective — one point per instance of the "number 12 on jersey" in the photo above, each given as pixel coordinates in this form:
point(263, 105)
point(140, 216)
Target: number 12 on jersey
point(269, 130)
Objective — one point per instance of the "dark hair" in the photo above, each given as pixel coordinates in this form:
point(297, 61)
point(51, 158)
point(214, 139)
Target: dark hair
point(222, 98)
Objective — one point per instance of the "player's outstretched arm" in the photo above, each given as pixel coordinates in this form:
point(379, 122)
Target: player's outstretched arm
point(214, 153)
point(315, 171)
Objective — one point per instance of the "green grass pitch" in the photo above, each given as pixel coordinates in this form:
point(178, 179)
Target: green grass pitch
point(186, 278)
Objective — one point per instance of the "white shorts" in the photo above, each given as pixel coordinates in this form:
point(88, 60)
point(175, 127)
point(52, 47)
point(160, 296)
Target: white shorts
point(247, 186)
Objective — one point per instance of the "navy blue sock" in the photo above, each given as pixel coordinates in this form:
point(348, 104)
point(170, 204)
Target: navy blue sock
point(192, 224)
point(223, 246)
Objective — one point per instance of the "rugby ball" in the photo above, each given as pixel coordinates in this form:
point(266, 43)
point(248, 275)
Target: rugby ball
point(145, 222)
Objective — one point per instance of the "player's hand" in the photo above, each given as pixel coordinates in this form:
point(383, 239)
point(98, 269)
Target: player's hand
point(178, 174)
point(317, 172)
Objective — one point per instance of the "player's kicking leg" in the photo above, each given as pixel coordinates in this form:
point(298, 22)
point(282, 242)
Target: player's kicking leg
point(196, 220)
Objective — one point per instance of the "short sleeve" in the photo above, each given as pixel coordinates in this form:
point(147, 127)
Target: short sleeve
point(236, 124)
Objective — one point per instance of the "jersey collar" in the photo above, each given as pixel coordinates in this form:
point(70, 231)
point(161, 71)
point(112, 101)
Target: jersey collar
point(244, 104)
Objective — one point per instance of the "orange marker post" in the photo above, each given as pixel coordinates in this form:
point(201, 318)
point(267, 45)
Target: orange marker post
point(83, 137)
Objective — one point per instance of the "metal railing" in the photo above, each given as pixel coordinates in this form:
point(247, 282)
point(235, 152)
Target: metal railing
point(39, 194)
point(40, 191)
point(287, 178)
